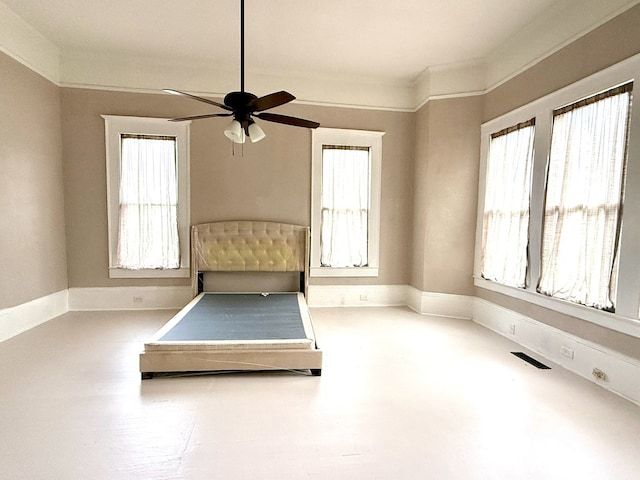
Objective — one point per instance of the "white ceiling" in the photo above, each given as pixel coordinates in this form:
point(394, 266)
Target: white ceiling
point(387, 41)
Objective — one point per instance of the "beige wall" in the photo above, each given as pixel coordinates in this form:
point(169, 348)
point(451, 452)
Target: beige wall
point(32, 239)
point(611, 43)
point(420, 207)
point(446, 186)
point(270, 180)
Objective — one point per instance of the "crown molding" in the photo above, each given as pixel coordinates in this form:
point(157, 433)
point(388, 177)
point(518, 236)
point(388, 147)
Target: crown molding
point(25, 44)
point(450, 81)
point(560, 25)
point(149, 75)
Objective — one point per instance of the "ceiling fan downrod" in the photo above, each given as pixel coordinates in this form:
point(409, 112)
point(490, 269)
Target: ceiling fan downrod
point(242, 46)
point(240, 101)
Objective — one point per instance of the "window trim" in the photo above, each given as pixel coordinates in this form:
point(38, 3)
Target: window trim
point(356, 138)
point(626, 318)
point(116, 125)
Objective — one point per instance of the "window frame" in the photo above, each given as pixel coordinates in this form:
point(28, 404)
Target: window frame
point(626, 317)
point(355, 138)
point(115, 126)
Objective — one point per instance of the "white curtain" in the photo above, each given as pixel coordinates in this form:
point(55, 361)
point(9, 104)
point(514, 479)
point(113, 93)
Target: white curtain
point(583, 200)
point(148, 228)
point(505, 229)
point(345, 206)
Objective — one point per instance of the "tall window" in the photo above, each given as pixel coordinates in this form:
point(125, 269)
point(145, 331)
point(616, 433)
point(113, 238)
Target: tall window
point(584, 198)
point(148, 197)
point(345, 202)
point(505, 226)
point(148, 210)
point(346, 173)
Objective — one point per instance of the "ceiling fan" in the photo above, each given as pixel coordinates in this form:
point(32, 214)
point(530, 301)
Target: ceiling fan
point(243, 106)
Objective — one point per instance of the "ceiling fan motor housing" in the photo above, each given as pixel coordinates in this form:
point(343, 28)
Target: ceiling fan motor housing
point(239, 101)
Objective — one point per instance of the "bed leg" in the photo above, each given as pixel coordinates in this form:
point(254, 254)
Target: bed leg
point(316, 372)
point(147, 375)
point(200, 282)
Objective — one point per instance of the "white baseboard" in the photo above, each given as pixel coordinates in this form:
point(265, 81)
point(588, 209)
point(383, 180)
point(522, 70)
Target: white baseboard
point(129, 298)
point(357, 295)
point(425, 303)
point(15, 320)
point(440, 304)
point(622, 372)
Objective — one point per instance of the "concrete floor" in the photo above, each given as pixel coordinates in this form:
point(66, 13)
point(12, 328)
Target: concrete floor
point(402, 396)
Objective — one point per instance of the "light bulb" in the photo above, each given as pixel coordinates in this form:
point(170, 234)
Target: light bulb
point(255, 132)
point(235, 132)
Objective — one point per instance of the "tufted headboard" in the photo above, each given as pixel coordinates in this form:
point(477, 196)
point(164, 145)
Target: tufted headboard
point(248, 246)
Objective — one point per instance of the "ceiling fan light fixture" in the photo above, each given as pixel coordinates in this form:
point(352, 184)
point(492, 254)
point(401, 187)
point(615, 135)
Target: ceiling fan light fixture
point(235, 132)
point(244, 105)
point(255, 132)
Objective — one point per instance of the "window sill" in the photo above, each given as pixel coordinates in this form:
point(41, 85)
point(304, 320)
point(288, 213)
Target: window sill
point(148, 273)
point(612, 321)
point(343, 272)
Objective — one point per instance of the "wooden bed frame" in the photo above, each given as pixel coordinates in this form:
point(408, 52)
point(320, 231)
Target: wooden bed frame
point(239, 246)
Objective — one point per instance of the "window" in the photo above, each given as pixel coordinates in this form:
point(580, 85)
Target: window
point(147, 185)
point(148, 203)
point(584, 199)
point(345, 212)
point(344, 206)
point(583, 256)
point(505, 231)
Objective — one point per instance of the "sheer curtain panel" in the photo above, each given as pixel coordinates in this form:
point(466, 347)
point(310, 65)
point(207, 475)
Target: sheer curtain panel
point(505, 227)
point(148, 226)
point(585, 181)
point(345, 206)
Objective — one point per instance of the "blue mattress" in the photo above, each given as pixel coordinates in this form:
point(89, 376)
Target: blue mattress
point(222, 317)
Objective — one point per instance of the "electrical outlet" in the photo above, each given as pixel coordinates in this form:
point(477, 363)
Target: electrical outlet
point(567, 352)
point(137, 299)
point(364, 297)
point(512, 329)
point(599, 374)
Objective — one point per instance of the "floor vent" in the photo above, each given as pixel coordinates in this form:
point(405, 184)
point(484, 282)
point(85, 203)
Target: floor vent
point(531, 360)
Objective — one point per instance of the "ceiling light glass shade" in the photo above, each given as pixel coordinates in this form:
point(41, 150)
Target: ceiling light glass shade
point(256, 133)
point(235, 132)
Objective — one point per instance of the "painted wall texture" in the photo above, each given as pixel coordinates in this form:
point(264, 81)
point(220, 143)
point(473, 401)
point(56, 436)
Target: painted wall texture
point(446, 194)
point(33, 259)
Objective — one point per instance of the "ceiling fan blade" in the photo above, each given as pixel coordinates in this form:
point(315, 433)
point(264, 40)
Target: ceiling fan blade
point(198, 117)
point(270, 101)
point(296, 122)
point(195, 97)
